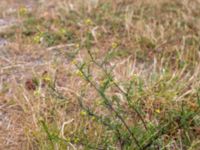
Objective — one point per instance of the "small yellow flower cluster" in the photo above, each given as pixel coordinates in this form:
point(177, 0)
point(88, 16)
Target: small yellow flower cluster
point(88, 22)
point(68, 139)
point(37, 38)
point(79, 73)
point(111, 82)
point(99, 102)
point(47, 79)
point(114, 45)
point(23, 11)
point(93, 118)
point(62, 31)
point(157, 111)
point(74, 62)
point(83, 113)
point(76, 140)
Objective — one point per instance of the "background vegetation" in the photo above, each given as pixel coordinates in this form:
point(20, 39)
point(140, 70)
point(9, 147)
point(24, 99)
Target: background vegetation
point(110, 74)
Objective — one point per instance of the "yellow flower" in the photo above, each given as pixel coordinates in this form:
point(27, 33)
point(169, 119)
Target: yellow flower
point(157, 111)
point(93, 118)
point(74, 62)
point(63, 31)
point(23, 11)
point(114, 45)
point(99, 102)
point(68, 139)
point(79, 73)
point(88, 22)
point(47, 79)
point(76, 140)
point(37, 39)
point(83, 113)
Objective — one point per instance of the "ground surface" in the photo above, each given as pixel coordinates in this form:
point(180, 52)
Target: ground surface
point(96, 74)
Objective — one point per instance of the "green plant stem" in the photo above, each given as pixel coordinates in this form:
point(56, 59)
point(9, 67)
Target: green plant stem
point(110, 107)
point(119, 88)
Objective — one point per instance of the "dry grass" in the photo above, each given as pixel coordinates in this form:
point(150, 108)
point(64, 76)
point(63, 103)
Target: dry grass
point(153, 47)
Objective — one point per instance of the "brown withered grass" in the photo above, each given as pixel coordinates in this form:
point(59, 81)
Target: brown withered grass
point(152, 41)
